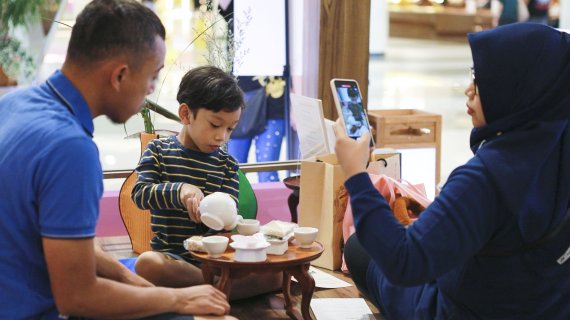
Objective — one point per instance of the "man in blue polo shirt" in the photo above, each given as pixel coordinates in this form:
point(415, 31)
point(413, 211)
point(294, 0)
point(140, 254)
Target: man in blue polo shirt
point(51, 178)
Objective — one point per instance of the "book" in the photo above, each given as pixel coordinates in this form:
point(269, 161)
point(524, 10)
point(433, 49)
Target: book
point(316, 135)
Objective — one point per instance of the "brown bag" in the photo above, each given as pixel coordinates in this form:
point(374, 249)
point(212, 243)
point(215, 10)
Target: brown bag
point(323, 201)
point(320, 182)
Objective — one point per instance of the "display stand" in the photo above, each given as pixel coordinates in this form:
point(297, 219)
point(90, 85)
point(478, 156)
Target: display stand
point(408, 128)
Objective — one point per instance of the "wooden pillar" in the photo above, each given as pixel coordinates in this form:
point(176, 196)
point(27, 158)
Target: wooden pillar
point(344, 48)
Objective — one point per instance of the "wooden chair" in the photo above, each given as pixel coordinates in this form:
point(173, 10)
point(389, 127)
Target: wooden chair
point(137, 221)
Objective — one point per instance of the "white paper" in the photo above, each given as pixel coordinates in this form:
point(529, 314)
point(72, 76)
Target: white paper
point(260, 27)
point(325, 280)
point(340, 309)
point(310, 124)
point(331, 137)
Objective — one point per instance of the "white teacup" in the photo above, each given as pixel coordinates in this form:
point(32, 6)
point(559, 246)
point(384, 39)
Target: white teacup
point(218, 211)
point(215, 245)
point(247, 227)
point(306, 236)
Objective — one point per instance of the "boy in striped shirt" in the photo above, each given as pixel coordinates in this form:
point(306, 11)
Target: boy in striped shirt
point(176, 172)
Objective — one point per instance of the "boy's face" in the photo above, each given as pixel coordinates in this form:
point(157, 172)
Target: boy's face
point(205, 130)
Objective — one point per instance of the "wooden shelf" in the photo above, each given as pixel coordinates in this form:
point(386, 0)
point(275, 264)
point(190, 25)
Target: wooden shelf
point(437, 22)
point(408, 128)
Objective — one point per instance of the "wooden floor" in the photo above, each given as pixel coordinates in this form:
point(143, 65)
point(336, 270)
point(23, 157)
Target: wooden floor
point(268, 306)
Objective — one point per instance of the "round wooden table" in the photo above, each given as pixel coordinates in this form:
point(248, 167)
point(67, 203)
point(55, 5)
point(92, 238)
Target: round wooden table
point(295, 262)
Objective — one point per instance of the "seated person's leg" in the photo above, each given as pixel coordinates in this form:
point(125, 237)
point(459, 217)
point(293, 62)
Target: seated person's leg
point(357, 261)
point(167, 270)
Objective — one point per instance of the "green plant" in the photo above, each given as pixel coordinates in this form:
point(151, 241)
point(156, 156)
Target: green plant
point(222, 51)
point(14, 59)
point(145, 113)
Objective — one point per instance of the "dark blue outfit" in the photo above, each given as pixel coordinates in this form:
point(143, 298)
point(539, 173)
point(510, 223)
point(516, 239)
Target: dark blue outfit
point(538, 11)
point(465, 257)
point(50, 181)
point(267, 143)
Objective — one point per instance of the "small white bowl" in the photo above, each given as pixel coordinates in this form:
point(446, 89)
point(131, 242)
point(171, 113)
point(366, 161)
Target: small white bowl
point(247, 227)
point(215, 245)
point(305, 236)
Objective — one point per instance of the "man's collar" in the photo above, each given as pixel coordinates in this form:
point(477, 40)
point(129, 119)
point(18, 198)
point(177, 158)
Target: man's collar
point(72, 99)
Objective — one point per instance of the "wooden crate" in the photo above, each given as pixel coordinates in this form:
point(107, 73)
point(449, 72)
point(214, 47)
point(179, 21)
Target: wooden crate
point(407, 128)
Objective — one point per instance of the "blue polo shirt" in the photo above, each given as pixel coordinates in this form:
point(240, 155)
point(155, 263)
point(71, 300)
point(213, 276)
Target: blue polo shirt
point(50, 186)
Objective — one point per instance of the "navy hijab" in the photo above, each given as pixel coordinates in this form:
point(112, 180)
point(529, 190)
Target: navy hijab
point(522, 74)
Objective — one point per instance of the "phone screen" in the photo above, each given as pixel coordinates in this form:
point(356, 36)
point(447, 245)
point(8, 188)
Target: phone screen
point(349, 107)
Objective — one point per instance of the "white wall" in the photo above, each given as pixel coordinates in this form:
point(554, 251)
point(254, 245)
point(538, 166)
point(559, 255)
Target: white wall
point(379, 26)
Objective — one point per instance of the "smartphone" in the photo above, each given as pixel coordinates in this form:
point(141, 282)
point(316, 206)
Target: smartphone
point(348, 102)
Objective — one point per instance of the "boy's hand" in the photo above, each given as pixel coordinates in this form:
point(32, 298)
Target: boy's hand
point(353, 155)
point(190, 196)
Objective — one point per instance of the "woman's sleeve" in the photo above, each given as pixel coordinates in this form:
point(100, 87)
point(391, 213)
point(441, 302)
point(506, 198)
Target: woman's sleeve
point(451, 230)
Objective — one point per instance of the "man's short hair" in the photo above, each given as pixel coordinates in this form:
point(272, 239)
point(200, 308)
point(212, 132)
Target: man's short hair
point(208, 87)
point(108, 28)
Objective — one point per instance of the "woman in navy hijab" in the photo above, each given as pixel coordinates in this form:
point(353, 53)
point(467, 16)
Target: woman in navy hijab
point(495, 243)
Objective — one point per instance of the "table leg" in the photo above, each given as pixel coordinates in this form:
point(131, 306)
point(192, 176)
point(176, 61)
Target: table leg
point(293, 202)
point(207, 274)
point(224, 283)
point(307, 284)
point(291, 312)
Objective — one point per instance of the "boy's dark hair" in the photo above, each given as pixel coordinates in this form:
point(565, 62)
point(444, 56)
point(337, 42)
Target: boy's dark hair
point(107, 28)
point(208, 87)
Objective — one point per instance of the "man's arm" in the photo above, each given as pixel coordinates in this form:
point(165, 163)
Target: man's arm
point(79, 292)
point(110, 268)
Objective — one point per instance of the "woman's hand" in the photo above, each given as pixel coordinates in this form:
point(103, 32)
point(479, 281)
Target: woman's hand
point(353, 155)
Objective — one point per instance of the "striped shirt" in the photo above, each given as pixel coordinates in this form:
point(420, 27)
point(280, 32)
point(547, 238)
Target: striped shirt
point(164, 166)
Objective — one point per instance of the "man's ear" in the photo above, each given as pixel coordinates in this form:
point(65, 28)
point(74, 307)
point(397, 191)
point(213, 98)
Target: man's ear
point(118, 75)
point(185, 114)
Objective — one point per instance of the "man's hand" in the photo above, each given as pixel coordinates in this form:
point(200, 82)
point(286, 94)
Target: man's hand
point(202, 300)
point(353, 155)
point(190, 196)
point(78, 291)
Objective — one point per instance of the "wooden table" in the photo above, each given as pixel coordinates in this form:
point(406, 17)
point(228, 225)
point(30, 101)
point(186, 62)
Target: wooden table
point(295, 262)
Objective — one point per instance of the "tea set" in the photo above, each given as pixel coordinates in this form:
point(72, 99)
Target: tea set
point(219, 211)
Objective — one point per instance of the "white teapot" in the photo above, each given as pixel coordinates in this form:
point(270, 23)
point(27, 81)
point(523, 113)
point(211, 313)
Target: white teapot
point(218, 211)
